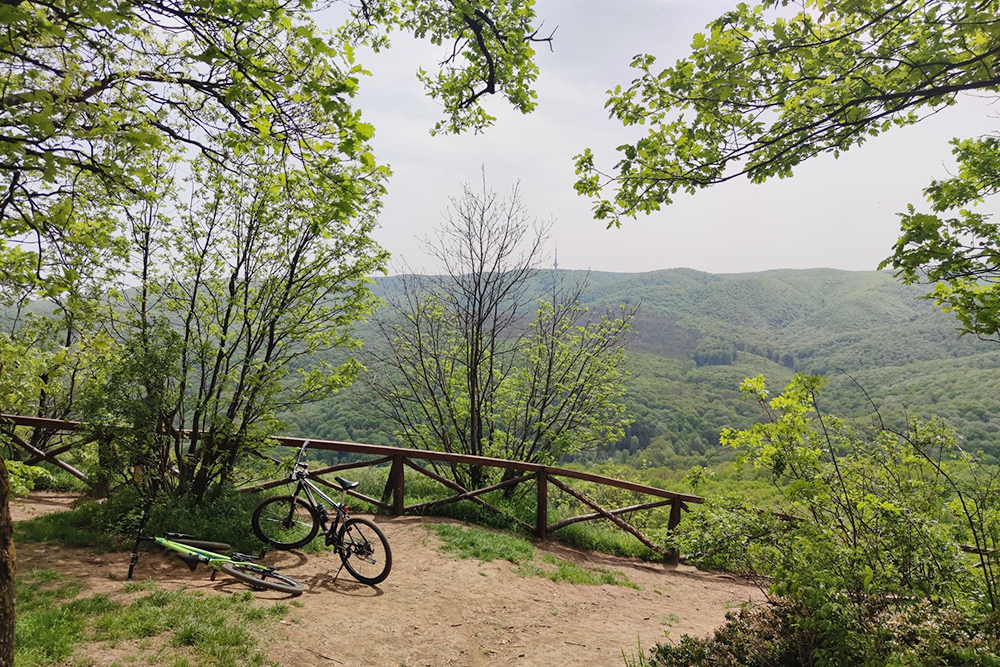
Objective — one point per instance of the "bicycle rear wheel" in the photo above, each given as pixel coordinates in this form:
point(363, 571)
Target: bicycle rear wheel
point(217, 547)
point(365, 551)
point(258, 578)
point(285, 522)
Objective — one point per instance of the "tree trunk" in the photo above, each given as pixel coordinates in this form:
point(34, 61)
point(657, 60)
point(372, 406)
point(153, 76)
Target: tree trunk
point(6, 573)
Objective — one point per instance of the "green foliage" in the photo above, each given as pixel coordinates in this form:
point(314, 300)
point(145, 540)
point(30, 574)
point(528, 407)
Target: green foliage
point(266, 271)
point(23, 478)
point(765, 88)
point(492, 52)
point(866, 555)
point(112, 523)
point(98, 92)
point(957, 255)
point(771, 636)
point(269, 260)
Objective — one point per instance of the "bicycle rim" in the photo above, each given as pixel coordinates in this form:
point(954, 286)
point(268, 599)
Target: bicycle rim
point(285, 522)
point(365, 551)
point(259, 578)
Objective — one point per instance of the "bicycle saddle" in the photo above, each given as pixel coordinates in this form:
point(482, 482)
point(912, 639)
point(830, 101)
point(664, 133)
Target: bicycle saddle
point(190, 560)
point(345, 484)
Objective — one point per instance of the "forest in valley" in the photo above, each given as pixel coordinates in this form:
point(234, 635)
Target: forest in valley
point(880, 345)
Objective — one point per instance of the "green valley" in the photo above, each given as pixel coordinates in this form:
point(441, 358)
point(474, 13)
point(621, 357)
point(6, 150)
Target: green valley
point(697, 335)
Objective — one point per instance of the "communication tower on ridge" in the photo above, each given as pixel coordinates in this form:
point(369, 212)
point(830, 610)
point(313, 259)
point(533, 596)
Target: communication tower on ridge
point(555, 262)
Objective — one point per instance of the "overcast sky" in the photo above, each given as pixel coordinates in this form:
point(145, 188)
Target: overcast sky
point(833, 213)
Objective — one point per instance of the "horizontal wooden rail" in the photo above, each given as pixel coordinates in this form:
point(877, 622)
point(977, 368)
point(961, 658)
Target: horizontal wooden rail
point(422, 454)
point(461, 489)
point(468, 459)
point(41, 422)
point(471, 494)
point(401, 457)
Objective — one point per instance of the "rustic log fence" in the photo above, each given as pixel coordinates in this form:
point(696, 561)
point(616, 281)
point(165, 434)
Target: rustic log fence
point(399, 458)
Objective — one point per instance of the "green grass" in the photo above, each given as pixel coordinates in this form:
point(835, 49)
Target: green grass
point(72, 528)
point(112, 524)
point(185, 628)
point(483, 545)
point(487, 545)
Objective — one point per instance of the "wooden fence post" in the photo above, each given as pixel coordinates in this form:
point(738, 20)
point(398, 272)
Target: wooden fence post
point(675, 519)
point(397, 480)
point(542, 505)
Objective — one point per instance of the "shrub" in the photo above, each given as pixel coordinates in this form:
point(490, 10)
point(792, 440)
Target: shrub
point(24, 478)
point(866, 566)
point(773, 635)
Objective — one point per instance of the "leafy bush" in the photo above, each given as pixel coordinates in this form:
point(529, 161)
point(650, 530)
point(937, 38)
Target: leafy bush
point(24, 478)
point(773, 636)
point(865, 566)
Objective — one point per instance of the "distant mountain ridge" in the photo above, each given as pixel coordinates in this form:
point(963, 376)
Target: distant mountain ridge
point(698, 334)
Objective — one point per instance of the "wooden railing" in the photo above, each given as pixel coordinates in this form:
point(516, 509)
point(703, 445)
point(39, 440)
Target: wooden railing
point(399, 458)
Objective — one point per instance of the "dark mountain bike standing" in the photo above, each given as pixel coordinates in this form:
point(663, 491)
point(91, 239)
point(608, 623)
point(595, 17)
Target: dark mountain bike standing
point(292, 521)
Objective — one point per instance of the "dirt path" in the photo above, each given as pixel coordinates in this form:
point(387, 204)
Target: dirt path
point(435, 610)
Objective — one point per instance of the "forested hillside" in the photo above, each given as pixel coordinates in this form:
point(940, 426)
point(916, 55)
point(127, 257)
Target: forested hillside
point(699, 334)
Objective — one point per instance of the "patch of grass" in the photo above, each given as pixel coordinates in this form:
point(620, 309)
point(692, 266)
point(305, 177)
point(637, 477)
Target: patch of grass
point(564, 570)
point(670, 619)
point(112, 524)
point(136, 586)
point(72, 528)
point(604, 537)
point(486, 545)
point(483, 545)
point(192, 629)
point(45, 633)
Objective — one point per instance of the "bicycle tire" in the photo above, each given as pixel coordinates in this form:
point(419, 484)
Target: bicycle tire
point(217, 547)
point(274, 518)
point(360, 543)
point(257, 578)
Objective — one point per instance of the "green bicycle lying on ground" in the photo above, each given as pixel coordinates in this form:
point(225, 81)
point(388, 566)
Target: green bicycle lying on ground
point(289, 522)
point(236, 565)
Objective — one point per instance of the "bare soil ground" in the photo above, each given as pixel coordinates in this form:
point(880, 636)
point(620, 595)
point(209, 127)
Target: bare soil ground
point(435, 610)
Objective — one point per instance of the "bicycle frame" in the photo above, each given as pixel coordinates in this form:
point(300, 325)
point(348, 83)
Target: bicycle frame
point(213, 559)
point(300, 474)
point(306, 485)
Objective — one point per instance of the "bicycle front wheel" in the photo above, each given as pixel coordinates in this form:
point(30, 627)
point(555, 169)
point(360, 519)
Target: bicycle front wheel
point(285, 522)
point(259, 578)
point(365, 551)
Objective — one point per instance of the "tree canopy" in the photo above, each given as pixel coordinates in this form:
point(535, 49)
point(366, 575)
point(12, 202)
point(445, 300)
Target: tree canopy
point(90, 87)
point(766, 88)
